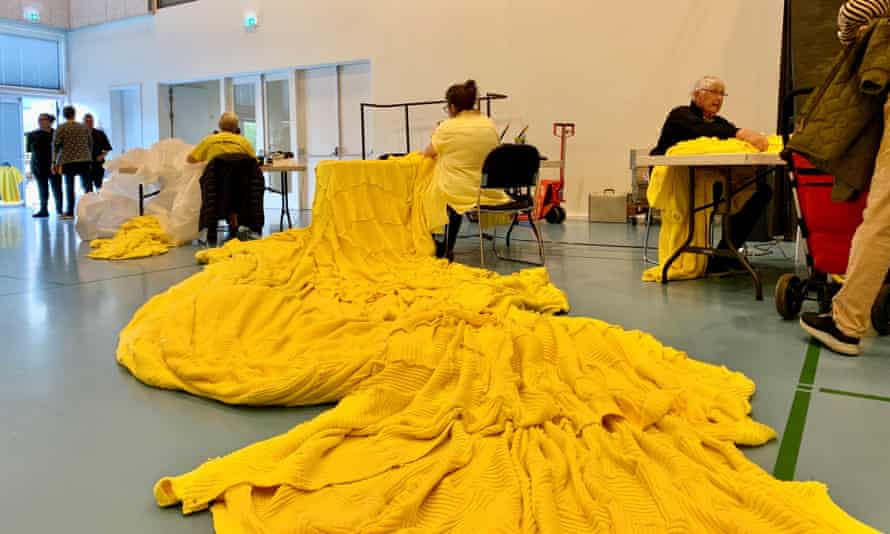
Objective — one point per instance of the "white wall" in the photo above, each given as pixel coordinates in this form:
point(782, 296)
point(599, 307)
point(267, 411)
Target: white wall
point(74, 13)
point(612, 67)
point(88, 12)
point(53, 13)
point(126, 120)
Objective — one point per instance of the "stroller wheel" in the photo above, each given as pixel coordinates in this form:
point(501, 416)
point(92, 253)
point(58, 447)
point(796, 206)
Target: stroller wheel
point(880, 312)
point(789, 297)
point(555, 215)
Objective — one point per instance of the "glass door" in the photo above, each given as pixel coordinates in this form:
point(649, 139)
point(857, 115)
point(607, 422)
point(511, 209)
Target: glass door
point(12, 133)
point(246, 103)
point(31, 110)
point(279, 119)
point(12, 142)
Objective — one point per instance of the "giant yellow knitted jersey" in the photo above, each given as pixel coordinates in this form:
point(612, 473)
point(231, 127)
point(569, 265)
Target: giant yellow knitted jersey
point(465, 404)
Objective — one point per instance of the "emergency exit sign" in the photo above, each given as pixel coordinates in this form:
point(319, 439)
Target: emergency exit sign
point(32, 15)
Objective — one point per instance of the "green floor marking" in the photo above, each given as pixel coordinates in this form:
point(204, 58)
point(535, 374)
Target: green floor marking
point(854, 395)
point(808, 373)
point(789, 449)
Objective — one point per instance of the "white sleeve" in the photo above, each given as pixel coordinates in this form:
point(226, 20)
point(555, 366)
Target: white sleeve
point(857, 13)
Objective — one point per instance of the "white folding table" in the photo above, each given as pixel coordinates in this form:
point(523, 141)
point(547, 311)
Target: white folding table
point(724, 162)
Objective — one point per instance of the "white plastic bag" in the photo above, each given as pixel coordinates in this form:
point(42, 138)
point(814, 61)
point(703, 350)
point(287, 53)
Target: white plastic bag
point(162, 167)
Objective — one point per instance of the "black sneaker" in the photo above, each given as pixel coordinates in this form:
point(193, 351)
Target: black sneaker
point(40, 215)
point(823, 328)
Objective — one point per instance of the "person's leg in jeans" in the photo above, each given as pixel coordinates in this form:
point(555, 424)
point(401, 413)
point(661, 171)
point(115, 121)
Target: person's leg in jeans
point(69, 171)
point(43, 192)
point(867, 267)
point(55, 184)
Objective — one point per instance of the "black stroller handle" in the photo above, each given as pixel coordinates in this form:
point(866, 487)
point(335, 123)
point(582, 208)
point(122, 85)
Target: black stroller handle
point(788, 113)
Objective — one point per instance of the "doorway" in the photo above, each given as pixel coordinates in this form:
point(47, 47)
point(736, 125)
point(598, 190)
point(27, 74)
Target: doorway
point(18, 116)
point(195, 110)
point(330, 117)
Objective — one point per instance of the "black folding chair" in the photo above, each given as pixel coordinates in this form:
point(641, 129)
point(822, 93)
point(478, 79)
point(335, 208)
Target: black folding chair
point(514, 170)
point(232, 184)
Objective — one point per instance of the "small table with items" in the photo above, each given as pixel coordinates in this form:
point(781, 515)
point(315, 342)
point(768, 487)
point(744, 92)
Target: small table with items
point(284, 166)
point(722, 162)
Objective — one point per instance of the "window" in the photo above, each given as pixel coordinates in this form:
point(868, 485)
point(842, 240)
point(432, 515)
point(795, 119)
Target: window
point(171, 3)
point(30, 62)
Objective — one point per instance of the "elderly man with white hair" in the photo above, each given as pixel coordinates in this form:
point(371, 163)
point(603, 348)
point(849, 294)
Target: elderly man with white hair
point(226, 141)
point(700, 119)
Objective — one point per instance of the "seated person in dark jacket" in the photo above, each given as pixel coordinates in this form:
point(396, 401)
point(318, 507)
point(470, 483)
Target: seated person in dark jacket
point(700, 119)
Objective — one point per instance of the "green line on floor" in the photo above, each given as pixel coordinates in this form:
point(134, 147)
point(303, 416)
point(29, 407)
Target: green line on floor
point(854, 395)
point(789, 449)
point(808, 373)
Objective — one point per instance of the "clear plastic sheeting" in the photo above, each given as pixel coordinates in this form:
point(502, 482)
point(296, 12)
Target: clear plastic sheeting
point(161, 168)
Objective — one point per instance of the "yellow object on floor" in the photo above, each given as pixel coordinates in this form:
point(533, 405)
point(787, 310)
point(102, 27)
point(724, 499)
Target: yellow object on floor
point(669, 192)
point(139, 237)
point(10, 178)
point(465, 404)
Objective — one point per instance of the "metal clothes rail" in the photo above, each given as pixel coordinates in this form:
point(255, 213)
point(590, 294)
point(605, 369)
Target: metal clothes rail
point(487, 99)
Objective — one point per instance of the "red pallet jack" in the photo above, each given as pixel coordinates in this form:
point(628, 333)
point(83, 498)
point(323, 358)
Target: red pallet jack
point(550, 193)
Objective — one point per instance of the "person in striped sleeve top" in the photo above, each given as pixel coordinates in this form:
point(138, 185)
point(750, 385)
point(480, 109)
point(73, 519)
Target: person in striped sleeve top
point(856, 14)
point(850, 318)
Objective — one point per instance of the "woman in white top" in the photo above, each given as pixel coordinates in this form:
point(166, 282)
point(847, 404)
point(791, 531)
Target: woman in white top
point(460, 145)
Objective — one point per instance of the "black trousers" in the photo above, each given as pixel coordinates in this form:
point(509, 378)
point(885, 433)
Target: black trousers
point(96, 177)
point(745, 220)
point(69, 171)
point(447, 247)
point(45, 181)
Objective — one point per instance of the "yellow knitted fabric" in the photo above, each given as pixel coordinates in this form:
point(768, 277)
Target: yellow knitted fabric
point(465, 405)
point(669, 192)
point(10, 178)
point(139, 237)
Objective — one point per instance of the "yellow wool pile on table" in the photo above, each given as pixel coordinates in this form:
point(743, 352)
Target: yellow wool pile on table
point(668, 191)
point(139, 237)
point(465, 404)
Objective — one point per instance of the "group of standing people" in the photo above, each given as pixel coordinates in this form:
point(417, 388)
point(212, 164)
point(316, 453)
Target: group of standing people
point(57, 155)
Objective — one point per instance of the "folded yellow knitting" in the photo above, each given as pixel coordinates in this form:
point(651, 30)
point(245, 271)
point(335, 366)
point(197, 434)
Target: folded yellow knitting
point(465, 404)
point(139, 237)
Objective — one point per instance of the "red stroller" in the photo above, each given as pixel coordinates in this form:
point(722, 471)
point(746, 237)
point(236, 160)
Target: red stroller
point(827, 228)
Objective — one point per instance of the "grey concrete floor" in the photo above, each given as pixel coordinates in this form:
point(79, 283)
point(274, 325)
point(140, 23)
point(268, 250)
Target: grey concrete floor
point(84, 442)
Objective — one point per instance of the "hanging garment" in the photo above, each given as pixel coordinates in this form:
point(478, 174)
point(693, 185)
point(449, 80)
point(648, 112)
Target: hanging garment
point(10, 178)
point(465, 404)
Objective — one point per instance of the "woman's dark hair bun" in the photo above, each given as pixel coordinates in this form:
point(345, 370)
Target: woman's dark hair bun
point(462, 96)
